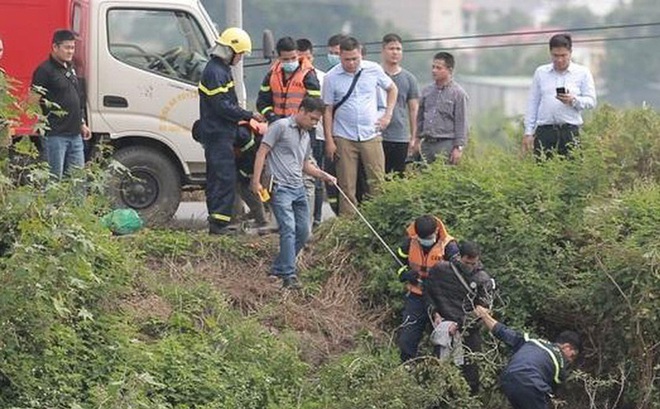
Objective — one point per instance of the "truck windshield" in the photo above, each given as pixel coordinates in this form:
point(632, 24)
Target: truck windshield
point(166, 42)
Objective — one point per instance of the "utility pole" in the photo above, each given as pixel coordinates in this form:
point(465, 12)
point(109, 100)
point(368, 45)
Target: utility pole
point(234, 18)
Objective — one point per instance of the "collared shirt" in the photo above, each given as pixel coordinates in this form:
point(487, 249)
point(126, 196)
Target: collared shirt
point(289, 149)
point(356, 119)
point(443, 113)
point(543, 108)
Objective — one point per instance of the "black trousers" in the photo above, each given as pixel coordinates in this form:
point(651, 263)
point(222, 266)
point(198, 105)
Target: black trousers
point(555, 139)
point(395, 156)
point(220, 178)
point(471, 341)
point(318, 151)
point(415, 321)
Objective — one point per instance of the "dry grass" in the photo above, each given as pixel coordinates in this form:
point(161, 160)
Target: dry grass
point(326, 319)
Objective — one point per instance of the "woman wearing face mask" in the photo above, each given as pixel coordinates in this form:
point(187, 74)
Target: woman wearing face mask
point(288, 81)
point(426, 244)
point(453, 288)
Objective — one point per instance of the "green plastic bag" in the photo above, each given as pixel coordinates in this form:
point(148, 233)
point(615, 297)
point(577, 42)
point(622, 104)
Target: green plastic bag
point(122, 221)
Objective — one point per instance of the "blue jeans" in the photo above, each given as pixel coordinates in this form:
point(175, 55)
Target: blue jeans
point(64, 153)
point(290, 208)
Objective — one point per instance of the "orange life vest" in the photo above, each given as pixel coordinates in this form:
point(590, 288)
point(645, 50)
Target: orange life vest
point(287, 97)
point(422, 262)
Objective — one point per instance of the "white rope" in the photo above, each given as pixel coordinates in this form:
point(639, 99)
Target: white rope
point(369, 225)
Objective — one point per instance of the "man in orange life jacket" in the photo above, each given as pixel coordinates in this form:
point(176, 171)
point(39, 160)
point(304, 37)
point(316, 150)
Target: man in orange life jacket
point(288, 81)
point(426, 244)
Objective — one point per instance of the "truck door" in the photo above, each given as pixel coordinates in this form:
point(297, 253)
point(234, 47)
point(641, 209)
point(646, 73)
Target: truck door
point(148, 70)
point(150, 59)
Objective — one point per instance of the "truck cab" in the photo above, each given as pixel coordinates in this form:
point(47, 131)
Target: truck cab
point(142, 93)
point(141, 61)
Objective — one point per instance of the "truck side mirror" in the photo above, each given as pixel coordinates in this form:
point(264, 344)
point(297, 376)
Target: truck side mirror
point(268, 45)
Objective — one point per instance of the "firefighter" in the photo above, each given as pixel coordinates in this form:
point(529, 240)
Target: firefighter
point(536, 367)
point(426, 244)
point(289, 80)
point(218, 125)
point(247, 143)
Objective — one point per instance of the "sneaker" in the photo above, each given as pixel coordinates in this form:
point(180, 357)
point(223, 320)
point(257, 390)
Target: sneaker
point(316, 224)
point(291, 282)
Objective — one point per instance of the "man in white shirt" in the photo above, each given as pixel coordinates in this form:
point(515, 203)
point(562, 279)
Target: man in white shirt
point(560, 92)
point(352, 122)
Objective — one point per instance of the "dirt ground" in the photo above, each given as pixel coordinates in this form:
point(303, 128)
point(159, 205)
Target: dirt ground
point(326, 316)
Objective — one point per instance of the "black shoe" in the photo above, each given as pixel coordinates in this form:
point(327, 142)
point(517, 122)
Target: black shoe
point(291, 282)
point(218, 229)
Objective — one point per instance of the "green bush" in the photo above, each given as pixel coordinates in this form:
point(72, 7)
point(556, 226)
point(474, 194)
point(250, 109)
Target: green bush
point(573, 243)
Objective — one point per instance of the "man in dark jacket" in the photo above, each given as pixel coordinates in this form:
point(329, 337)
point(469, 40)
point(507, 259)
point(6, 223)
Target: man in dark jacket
point(218, 125)
point(537, 366)
point(453, 288)
point(57, 82)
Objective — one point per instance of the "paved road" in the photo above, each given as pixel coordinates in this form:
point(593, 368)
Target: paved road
point(193, 214)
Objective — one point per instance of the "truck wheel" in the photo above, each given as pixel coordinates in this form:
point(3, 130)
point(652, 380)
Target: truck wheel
point(153, 187)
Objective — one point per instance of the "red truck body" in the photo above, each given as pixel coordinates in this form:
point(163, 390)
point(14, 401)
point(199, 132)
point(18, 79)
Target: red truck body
point(27, 41)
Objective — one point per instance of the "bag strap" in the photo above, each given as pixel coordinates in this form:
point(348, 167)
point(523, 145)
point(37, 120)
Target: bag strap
point(349, 92)
point(461, 279)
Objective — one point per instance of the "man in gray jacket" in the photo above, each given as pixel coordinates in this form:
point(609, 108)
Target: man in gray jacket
point(442, 127)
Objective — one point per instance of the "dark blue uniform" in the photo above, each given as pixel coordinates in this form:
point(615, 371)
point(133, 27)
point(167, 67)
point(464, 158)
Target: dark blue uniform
point(218, 128)
point(534, 371)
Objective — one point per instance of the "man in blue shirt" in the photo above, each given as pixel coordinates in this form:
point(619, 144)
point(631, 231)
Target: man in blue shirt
point(537, 366)
point(560, 92)
point(352, 123)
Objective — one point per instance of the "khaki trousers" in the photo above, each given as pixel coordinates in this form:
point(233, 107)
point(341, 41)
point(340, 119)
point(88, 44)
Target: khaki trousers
point(349, 153)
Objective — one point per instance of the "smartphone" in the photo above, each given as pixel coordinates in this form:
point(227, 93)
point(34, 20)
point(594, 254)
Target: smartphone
point(561, 90)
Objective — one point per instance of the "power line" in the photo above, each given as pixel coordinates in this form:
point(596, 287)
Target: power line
point(487, 46)
point(503, 34)
point(510, 45)
point(520, 33)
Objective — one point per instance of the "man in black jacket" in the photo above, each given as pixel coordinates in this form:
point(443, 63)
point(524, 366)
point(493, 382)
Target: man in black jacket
point(453, 289)
point(57, 82)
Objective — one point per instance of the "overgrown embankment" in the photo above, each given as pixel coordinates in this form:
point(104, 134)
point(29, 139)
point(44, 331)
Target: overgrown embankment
point(172, 319)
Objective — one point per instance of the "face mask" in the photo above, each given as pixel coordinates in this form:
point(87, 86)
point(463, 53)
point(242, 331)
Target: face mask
point(427, 242)
point(333, 59)
point(290, 66)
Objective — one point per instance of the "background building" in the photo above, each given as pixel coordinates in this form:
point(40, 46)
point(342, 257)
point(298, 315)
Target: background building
point(421, 18)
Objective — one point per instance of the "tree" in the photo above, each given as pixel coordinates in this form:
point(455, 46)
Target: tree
point(632, 67)
point(573, 17)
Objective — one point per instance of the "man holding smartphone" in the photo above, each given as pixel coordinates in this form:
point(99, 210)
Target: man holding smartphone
point(560, 92)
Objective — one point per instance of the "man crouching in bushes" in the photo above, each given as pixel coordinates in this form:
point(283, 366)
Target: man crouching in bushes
point(536, 367)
